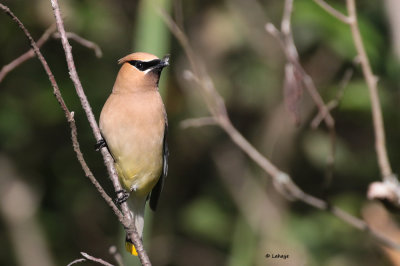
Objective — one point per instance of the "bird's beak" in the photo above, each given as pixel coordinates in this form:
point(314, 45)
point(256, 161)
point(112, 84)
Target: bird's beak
point(160, 65)
point(164, 62)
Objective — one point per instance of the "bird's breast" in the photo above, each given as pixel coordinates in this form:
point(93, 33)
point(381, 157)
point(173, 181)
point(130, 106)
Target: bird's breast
point(133, 127)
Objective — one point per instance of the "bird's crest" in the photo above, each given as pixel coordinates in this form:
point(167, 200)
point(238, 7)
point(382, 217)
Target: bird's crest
point(137, 56)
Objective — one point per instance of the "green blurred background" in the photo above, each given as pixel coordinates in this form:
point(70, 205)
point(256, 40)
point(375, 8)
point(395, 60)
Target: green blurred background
point(217, 207)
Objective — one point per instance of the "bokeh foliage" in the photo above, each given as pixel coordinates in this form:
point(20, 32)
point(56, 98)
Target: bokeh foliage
point(198, 221)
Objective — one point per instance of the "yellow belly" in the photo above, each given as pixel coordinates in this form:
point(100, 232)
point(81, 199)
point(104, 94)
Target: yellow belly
point(140, 175)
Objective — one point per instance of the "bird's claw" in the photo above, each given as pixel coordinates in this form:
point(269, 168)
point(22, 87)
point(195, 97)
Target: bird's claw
point(122, 196)
point(100, 144)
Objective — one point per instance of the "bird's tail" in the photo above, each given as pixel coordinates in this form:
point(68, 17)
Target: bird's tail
point(138, 217)
point(130, 247)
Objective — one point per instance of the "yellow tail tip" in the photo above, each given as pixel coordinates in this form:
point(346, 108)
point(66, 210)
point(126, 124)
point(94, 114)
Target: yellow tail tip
point(130, 248)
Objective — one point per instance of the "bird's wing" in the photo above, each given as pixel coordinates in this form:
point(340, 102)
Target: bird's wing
point(155, 193)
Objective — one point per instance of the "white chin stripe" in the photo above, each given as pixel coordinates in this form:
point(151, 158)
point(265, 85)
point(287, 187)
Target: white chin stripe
point(147, 70)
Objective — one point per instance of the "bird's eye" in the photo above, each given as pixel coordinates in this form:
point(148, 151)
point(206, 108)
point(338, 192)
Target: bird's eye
point(139, 65)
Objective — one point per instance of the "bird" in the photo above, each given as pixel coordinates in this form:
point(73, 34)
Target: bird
point(134, 126)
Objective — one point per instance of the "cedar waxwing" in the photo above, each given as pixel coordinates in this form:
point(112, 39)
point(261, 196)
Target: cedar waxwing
point(134, 126)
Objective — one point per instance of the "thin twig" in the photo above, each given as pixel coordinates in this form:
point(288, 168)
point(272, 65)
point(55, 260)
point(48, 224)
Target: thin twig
point(281, 180)
point(337, 14)
point(117, 256)
point(126, 220)
point(335, 102)
point(178, 12)
point(98, 260)
point(214, 101)
point(90, 258)
point(42, 40)
point(76, 261)
point(285, 38)
point(83, 42)
point(27, 55)
point(291, 55)
point(199, 122)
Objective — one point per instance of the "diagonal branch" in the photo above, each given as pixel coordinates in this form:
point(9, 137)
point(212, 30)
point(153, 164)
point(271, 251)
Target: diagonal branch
point(69, 115)
point(42, 40)
point(94, 259)
point(127, 217)
point(89, 258)
point(199, 122)
point(83, 42)
point(335, 102)
point(124, 216)
point(29, 54)
point(282, 181)
point(331, 10)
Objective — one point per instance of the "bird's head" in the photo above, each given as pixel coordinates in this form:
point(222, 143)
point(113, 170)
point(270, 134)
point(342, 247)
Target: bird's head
point(140, 71)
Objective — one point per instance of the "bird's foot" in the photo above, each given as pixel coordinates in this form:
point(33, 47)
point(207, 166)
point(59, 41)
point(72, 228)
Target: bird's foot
point(100, 144)
point(122, 196)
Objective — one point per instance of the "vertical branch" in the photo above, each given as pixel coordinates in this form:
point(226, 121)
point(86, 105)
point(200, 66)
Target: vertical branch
point(389, 188)
point(371, 79)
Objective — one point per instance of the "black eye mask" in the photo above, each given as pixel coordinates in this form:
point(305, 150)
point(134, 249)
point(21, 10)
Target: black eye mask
point(143, 65)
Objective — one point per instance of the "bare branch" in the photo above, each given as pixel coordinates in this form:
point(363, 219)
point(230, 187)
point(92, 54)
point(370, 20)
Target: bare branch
point(76, 261)
point(335, 102)
point(98, 260)
point(90, 258)
point(69, 115)
point(83, 42)
point(214, 101)
point(331, 10)
point(287, 14)
point(199, 122)
point(117, 256)
point(389, 188)
point(126, 220)
point(42, 40)
point(291, 54)
point(178, 12)
point(281, 180)
point(371, 79)
point(300, 76)
point(26, 56)
point(125, 217)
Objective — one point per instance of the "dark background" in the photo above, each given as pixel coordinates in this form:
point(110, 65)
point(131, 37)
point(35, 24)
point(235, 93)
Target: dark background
point(218, 207)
